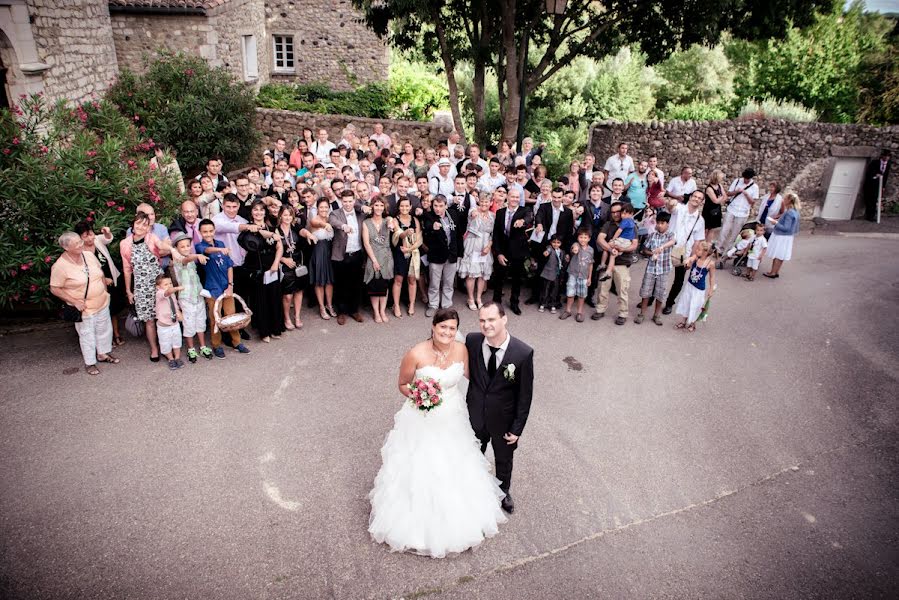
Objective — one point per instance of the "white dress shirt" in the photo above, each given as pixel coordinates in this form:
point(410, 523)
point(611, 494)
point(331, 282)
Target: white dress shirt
point(485, 351)
point(679, 188)
point(618, 167)
point(352, 238)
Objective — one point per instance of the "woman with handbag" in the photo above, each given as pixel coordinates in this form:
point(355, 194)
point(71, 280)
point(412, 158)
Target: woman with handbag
point(98, 245)
point(294, 274)
point(262, 263)
point(689, 228)
point(77, 279)
point(141, 253)
point(376, 233)
point(715, 199)
point(406, 256)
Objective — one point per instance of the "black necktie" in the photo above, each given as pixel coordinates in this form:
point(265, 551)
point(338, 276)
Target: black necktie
point(491, 364)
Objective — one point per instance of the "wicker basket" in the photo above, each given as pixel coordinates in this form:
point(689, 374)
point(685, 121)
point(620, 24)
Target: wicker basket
point(238, 320)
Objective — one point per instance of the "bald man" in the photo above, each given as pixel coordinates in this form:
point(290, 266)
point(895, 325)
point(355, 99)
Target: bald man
point(188, 221)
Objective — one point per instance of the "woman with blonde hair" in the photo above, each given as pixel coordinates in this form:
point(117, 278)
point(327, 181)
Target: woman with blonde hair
point(786, 226)
point(715, 199)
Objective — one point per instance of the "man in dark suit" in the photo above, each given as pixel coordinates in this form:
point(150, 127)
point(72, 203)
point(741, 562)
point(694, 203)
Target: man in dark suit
point(551, 218)
point(439, 235)
point(876, 180)
point(510, 244)
point(347, 256)
point(402, 191)
point(501, 368)
point(458, 208)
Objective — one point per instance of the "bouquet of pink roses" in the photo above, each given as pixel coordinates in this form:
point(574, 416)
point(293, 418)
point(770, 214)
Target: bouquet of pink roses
point(425, 393)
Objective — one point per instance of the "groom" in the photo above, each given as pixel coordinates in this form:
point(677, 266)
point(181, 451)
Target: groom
point(499, 395)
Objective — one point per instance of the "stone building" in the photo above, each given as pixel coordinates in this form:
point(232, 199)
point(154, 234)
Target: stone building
point(72, 48)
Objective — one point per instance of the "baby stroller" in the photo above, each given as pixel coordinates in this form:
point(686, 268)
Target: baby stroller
point(741, 247)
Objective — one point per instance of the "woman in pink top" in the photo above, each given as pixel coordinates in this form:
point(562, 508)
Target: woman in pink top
point(140, 261)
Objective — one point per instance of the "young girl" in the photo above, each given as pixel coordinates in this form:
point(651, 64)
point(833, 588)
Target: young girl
point(701, 286)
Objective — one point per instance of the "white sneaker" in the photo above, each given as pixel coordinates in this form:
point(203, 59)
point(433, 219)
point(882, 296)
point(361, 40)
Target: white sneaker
point(541, 308)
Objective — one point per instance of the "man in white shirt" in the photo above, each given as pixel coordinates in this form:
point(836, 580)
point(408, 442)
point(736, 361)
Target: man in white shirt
point(453, 141)
point(681, 187)
point(688, 227)
point(380, 137)
point(474, 157)
point(744, 193)
point(442, 183)
point(619, 165)
point(491, 180)
point(322, 146)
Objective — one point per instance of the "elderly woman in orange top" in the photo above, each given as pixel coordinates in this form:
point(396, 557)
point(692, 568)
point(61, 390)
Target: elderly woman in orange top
point(77, 279)
point(141, 252)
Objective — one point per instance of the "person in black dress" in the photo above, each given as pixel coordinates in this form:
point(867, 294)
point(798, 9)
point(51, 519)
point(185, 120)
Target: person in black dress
point(262, 262)
point(292, 285)
point(406, 241)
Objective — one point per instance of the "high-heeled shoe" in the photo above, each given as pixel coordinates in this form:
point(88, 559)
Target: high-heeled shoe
point(411, 310)
point(331, 311)
point(397, 312)
point(324, 315)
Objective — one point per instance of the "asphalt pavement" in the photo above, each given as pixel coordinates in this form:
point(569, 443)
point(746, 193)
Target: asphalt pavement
point(755, 458)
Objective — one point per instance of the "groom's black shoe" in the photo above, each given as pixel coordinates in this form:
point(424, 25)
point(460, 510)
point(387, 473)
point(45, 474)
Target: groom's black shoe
point(508, 504)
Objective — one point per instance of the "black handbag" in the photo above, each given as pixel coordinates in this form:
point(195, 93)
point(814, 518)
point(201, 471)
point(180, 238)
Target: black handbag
point(69, 313)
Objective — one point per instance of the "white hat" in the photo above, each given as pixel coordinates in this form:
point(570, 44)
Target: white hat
point(443, 161)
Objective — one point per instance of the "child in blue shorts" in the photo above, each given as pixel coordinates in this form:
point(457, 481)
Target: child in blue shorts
point(622, 240)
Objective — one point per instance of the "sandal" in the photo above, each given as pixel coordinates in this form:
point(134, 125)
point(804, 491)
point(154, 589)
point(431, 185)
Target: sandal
point(331, 311)
point(117, 341)
point(411, 310)
point(472, 305)
point(288, 325)
point(324, 315)
point(109, 358)
point(397, 312)
point(92, 369)
point(680, 326)
point(691, 327)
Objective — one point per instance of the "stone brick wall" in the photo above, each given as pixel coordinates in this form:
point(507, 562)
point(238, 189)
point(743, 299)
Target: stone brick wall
point(74, 38)
point(140, 35)
point(331, 44)
point(273, 124)
point(796, 154)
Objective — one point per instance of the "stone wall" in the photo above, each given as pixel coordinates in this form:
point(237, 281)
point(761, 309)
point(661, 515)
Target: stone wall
point(331, 45)
point(74, 38)
point(796, 154)
point(273, 124)
point(139, 36)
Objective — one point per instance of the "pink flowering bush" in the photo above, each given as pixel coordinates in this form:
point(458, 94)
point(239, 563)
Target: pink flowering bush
point(60, 165)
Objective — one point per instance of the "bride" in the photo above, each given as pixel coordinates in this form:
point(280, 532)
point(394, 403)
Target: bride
point(434, 494)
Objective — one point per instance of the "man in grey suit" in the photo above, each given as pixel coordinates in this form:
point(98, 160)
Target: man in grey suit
point(347, 256)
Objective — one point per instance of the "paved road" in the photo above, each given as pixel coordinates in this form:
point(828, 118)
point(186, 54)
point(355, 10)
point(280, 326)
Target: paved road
point(755, 458)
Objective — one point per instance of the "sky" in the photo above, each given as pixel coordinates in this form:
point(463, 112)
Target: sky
point(880, 5)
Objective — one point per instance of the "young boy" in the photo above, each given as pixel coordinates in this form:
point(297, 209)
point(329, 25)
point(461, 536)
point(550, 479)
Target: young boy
point(193, 308)
point(168, 316)
point(655, 279)
point(219, 280)
point(623, 238)
point(580, 270)
point(756, 251)
point(742, 245)
point(551, 274)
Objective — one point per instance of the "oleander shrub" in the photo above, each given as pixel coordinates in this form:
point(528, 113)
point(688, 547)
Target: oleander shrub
point(60, 165)
point(196, 109)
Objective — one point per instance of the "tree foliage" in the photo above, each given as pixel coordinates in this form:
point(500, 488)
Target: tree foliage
point(199, 110)
point(58, 166)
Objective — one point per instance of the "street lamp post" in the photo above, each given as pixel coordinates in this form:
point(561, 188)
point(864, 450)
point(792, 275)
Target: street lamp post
point(556, 8)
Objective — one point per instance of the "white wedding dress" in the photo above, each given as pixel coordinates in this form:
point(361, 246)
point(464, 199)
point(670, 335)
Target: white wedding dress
point(434, 494)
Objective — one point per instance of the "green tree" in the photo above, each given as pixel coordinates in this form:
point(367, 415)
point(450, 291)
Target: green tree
point(697, 74)
point(822, 66)
point(499, 35)
point(199, 110)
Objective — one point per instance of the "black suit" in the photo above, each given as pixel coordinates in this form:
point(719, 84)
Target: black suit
point(440, 250)
point(564, 228)
point(459, 215)
point(500, 404)
point(514, 247)
point(872, 186)
point(393, 204)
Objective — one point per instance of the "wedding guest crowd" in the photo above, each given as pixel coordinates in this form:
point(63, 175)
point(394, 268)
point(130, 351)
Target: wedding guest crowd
point(374, 223)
